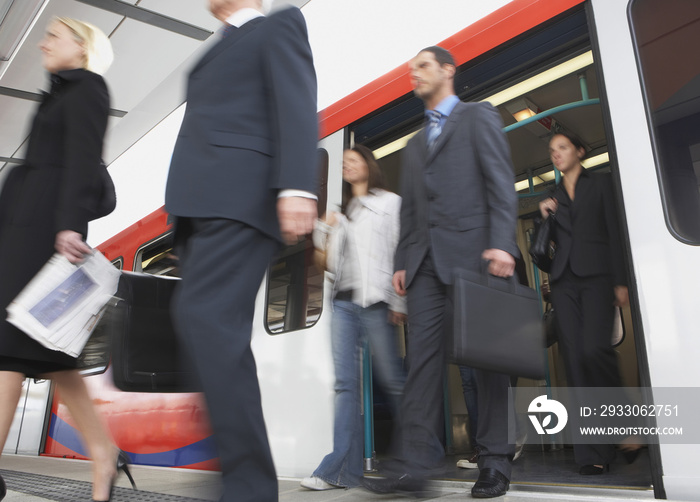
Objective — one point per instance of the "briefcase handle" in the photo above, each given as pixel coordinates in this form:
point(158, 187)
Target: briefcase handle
point(508, 284)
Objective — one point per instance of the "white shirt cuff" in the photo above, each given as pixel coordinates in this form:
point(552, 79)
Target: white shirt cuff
point(289, 192)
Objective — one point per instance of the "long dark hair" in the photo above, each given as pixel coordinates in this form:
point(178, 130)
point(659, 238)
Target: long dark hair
point(376, 178)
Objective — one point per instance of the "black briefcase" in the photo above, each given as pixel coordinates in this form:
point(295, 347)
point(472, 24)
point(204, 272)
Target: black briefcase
point(496, 325)
point(146, 353)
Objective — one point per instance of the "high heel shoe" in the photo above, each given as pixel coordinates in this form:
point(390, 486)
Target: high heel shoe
point(3, 488)
point(123, 461)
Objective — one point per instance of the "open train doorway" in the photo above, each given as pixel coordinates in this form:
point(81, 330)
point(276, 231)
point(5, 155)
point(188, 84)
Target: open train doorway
point(544, 81)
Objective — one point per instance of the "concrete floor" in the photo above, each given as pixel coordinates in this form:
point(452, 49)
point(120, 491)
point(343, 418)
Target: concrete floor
point(34, 479)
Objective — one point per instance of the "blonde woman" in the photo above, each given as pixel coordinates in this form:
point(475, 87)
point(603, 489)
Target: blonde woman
point(45, 206)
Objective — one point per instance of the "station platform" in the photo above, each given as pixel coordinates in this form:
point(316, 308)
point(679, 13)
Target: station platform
point(35, 479)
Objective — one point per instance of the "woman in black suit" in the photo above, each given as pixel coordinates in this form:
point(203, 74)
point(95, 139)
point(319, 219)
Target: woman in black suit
point(588, 279)
point(45, 206)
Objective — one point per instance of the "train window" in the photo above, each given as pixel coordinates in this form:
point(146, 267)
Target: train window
point(156, 257)
point(294, 282)
point(667, 34)
point(118, 263)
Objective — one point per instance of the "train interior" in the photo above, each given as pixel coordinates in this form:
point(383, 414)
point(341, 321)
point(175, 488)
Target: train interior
point(551, 68)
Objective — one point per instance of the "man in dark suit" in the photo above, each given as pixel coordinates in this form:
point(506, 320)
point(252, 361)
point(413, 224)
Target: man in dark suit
point(459, 208)
point(242, 179)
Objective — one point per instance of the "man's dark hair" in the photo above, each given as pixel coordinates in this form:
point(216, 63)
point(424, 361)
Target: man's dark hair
point(442, 56)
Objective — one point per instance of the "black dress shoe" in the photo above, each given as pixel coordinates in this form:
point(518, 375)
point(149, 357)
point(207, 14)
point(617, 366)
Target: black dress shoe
point(405, 484)
point(491, 483)
point(593, 470)
point(3, 488)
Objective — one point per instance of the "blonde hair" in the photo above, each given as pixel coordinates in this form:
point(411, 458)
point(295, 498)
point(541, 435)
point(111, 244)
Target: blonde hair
point(98, 48)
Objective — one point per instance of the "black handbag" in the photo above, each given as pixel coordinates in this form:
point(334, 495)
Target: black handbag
point(541, 247)
point(108, 195)
point(496, 325)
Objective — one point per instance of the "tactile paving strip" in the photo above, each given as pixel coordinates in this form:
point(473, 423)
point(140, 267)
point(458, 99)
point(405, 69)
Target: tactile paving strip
point(68, 490)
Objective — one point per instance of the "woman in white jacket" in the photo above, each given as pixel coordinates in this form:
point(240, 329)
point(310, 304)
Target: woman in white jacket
point(358, 245)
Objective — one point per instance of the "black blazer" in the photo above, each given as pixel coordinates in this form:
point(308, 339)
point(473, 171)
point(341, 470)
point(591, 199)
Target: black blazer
point(250, 127)
point(587, 233)
point(61, 175)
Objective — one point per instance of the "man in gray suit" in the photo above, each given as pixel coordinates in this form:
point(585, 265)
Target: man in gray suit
point(241, 181)
point(459, 208)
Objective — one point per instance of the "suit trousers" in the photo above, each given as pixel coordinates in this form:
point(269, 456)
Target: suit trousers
point(584, 316)
point(422, 451)
point(222, 265)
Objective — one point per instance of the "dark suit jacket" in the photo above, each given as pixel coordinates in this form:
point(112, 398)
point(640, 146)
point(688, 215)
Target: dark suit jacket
point(459, 199)
point(250, 127)
point(587, 233)
point(58, 188)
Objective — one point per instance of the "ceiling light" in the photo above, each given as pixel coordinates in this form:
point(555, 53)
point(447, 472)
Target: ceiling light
point(16, 18)
point(541, 79)
point(522, 109)
point(394, 146)
point(603, 158)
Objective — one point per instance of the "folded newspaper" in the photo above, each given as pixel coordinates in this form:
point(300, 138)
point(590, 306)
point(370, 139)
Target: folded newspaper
point(61, 305)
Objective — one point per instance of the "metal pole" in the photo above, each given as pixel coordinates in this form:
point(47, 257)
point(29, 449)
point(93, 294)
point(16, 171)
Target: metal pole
point(367, 400)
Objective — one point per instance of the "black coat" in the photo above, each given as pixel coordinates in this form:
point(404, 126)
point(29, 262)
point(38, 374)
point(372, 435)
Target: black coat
point(587, 233)
point(58, 188)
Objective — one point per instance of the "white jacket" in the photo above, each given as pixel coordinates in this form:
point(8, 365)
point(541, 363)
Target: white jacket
point(371, 235)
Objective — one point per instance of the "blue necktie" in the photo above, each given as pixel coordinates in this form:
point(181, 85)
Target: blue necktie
point(433, 128)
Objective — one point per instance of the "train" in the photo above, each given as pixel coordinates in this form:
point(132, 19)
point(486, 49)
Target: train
point(621, 74)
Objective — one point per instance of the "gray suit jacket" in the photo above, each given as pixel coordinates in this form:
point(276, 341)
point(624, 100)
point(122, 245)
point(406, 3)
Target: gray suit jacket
point(459, 198)
point(250, 127)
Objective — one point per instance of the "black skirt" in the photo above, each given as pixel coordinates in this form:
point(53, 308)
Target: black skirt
point(30, 368)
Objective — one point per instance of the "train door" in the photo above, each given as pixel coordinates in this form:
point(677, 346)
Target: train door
point(542, 82)
point(26, 434)
point(648, 54)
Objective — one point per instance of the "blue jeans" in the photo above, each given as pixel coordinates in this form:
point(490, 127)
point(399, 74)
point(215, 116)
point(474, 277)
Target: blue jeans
point(350, 326)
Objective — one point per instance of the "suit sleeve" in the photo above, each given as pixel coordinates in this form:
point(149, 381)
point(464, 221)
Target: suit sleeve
point(292, 100)
point(493, 154)
point(85, 124)
point(617, 261)
point(406, 219)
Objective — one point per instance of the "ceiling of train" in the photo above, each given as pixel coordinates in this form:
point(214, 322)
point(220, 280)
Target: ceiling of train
point(530, 144)
point(155, 42)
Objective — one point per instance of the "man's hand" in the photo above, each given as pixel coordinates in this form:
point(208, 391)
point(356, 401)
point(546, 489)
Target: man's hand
point(501, 263)
point(297, 216)
point(399, 282)
point(70, 244)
